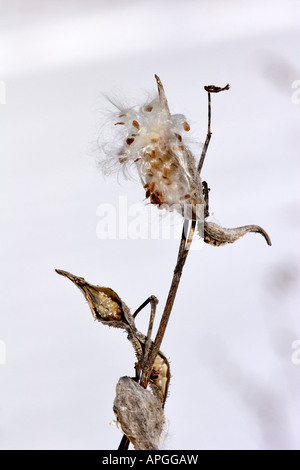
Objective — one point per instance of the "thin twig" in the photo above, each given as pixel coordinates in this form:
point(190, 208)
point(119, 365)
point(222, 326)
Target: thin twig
point(154, 303)
point(208, 136)
point(144, 304)
point(210, 89)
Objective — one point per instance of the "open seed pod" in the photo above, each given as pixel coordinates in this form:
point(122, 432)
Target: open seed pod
point(105, 304)
point(108, 308)
point(216, 235)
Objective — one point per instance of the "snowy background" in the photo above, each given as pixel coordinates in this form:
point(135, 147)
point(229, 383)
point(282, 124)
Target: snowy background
point(236, 316)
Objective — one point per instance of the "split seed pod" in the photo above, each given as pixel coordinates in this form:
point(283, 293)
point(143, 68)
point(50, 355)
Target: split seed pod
point(153, 141)
point(108, 308)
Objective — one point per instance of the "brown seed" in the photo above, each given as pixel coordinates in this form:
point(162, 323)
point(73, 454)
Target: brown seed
point(146, 186)
point(135, 124)
point(155, 166)
point(122, 115)
point(150, 172)
point(137, 159)
point(154, 198)
point(148, 108)
point(122, 159)
point(148, 193)
point(130, 140)
point(178, 137)
point(152, 154)
point(187, 196)
point(151, 187)
point(119, 123)
point(165, 172)
point(186, 126)
point(181, 147)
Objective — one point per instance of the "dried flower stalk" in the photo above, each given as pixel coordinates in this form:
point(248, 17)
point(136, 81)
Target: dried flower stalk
point(152, 141)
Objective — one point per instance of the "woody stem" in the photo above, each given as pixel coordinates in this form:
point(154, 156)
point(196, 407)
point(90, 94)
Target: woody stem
point(186, 239)
point(208, 136)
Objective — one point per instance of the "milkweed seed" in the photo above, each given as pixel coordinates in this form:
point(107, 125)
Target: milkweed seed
point(186, 126)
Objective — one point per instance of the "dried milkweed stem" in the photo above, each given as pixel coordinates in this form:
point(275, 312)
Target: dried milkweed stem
point(144, 304)
point(124, 444)
point(154, 303)
point(210, 89)
point(184, 248)
point(186, 240)
point(208, 136)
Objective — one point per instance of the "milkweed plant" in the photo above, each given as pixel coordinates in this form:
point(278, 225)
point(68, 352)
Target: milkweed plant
point(150, 141)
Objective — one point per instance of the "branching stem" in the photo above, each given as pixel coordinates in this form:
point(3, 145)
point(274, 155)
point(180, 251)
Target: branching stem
point(184, 248)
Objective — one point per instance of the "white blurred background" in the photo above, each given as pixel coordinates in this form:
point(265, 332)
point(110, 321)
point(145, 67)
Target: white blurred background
point(234, 384)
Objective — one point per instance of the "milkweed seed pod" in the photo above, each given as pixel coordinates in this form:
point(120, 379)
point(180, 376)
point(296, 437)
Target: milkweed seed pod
point(153, 141)
point(108, 308)
point(218, 236)
point(139, 413)
point(105, 304)
point(160, 375)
